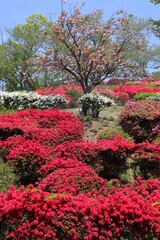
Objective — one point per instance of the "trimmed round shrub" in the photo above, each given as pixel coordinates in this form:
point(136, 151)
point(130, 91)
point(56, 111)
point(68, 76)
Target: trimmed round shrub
point(111, 133)
point(141, 120)
point(107, 157)
point(64, 124)
point(104, 91)
point(121, 97)
point(93, 103)
point(26, 159)
point(73, 180)
point(146, 159)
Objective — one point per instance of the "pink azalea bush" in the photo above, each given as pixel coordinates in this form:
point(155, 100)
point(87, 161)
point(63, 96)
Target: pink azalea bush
point(141, 120)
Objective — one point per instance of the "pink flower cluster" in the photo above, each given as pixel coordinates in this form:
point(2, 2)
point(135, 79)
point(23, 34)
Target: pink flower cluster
point(141, 120)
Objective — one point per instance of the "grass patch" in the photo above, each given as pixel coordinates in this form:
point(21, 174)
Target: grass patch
point(7, 176)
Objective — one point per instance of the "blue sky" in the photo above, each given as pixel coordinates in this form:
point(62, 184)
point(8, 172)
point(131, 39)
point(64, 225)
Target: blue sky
point(13, 12)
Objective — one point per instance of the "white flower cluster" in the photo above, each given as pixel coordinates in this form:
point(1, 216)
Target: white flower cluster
point(24, 100)
point(94, 103)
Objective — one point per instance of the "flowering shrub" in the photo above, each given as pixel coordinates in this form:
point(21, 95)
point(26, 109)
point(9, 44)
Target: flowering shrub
point(28, 121)
point(147, 80)
point(104, 91)
point(39, 131)
point(73, 180)
point(62, 131)
point(28, 213)
point(94, 103)
point(121, 97)
point(63, 90)
point(24, 100)
point(141, 120)
point(27, 159)
point(132, 90)
point(111, 133)
point(156, 97)
point(107, 158)
point(146, 159)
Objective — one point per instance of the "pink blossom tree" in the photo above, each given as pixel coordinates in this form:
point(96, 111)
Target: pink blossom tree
point(87, 50)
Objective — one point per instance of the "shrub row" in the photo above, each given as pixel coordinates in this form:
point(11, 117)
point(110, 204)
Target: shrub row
point(126, 213)
point(25, 100)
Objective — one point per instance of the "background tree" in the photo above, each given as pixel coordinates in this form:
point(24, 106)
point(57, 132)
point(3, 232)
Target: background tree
point(145, 57)
point(24, 44)
point(155, 1)
point(89, 51)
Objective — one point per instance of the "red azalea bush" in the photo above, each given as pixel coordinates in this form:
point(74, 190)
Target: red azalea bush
point(146, 159)
point(63, 90)
point(33, 214)
point(147, 80)
point(131, 90)
point(106, 157)
point(34, 118)
point(48, 126)
point(121, 97)
point(26, 157)
point(46, 118)
point(73, 180)
point(10, 143)
point(40, 130)
point(141, 120)
point(59, 163)
point(64, 131)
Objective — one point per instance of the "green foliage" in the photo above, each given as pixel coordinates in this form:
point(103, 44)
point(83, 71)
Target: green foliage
point(155, 1)
point(74, 94)
point(7, 177)
point(144, 95)
point(112, 132)
point(23, 46)
point(156, 75)
point(4, 110)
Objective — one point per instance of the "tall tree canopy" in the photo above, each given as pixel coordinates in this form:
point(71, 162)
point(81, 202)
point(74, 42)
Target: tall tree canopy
point(24, 44)
point(155, 1)
point(84, 48)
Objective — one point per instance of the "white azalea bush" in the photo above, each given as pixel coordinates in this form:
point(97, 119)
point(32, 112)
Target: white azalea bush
point(25, 100)
point(93, 103)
